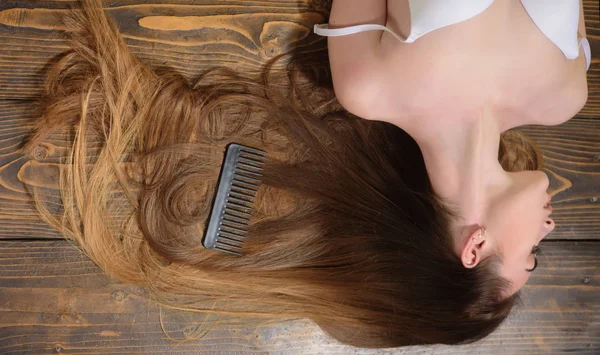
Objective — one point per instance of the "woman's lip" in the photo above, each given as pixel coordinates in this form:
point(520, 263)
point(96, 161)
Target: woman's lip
point(548, 208)
point(549, 199)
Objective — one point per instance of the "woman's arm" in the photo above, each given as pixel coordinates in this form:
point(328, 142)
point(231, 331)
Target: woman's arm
point(355, 62)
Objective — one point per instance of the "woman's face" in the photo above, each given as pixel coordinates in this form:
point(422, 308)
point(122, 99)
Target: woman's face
point(516, 221)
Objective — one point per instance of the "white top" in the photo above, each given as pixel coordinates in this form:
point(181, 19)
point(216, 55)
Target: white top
point(557, 19)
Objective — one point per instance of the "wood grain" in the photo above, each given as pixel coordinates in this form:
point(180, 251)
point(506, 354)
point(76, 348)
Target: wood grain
point(571, 150)
point(572, 161)
point(54, 300)
point(190, 36)
point(17, 215)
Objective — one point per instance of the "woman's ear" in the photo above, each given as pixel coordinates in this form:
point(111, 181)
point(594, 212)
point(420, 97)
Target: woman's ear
point(472, 252)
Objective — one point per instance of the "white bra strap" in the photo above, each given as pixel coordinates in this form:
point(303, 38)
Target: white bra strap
point(587, 50)
point(324, 30)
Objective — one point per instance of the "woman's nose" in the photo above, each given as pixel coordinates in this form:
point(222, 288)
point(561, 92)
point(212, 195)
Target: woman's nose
point(546, 228)
point(549, 225)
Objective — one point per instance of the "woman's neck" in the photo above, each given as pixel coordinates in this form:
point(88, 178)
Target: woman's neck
point(461, 156)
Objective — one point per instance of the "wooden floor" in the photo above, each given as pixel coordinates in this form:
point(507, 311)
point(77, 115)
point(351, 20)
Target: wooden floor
point(54, 300)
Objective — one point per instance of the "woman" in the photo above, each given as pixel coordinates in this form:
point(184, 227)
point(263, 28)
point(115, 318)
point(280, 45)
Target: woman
point(475, 69)
point(347, 229)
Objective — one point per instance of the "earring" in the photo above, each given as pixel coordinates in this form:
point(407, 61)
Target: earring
point(482, 234)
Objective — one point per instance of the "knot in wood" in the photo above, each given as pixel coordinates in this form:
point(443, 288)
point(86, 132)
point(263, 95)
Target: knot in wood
point(40, 153)
point(189, 330)
point(119, 296)
point(586, 280)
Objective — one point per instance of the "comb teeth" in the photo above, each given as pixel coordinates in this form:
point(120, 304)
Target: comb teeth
point(236, 192)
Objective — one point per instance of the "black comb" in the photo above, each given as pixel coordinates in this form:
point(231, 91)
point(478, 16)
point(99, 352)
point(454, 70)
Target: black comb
point(234, 202)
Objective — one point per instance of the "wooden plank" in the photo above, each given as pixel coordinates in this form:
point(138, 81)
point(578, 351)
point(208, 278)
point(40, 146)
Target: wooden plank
point(190, 36)
point(572, 152)
point(592, 24)
point(54, 300)
point(240, 34)
point(18, 218)
point(572, 161)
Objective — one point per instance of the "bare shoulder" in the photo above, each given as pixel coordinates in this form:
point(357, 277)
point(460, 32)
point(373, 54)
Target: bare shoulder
point(354, 59)
point(372, 78)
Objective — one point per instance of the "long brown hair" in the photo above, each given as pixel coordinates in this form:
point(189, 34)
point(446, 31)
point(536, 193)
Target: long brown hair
point(347, 231)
